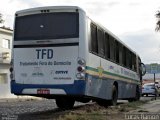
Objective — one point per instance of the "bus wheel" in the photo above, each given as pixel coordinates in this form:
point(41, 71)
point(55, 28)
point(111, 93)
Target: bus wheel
point(65, 103)
point(103, 103)
point(114, 99)
point(137, 96)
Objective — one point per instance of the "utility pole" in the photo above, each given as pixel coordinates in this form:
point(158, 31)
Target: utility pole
point(155, 86)
point(154, 70)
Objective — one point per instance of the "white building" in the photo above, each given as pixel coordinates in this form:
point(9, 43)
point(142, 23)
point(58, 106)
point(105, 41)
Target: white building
point(5, 59)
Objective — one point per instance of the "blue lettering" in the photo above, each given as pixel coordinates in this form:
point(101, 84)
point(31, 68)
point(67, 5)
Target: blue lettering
point(44, 53)
point(50, 54)
point(61, 72)
point(38, 53)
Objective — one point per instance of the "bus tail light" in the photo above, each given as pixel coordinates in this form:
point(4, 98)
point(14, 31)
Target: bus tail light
point(11, 76)
point(81, 62)
point(81, 68)
point(11, 70)
point(80, 75)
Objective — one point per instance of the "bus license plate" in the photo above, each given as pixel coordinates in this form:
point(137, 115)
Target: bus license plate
point(43, 91)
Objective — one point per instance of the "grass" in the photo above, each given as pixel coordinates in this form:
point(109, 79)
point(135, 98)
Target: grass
point(88, 116)
point(96, 112)
point(135, 104)
point(143, 111)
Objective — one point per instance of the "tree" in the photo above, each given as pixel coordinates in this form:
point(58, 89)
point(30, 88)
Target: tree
point(1, 19)
point(158, 21)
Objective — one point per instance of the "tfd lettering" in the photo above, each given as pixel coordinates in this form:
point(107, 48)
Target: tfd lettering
point(44, 53)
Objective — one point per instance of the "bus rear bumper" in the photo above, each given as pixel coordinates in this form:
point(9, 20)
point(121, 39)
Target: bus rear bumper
point(78, 88)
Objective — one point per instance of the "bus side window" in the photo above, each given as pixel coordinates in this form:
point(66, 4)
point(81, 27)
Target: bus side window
point(120, 54)
point(100, 37)
point(94, 42)
point(134, 62)
point(117, 51)
point(124, 56)
point(107, 46)
point(128, 58)
point(112, 48)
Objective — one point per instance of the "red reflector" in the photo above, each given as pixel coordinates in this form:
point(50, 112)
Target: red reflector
point(79, 69)
point(11, 69)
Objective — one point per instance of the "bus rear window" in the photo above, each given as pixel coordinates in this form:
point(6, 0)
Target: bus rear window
point(47, 26)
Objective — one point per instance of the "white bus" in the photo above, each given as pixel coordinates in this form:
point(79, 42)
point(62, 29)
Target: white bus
point(60, 53)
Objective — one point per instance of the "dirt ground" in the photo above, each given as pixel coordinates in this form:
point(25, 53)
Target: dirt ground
point(91, 111)
point(46, 110)
point(140, 110)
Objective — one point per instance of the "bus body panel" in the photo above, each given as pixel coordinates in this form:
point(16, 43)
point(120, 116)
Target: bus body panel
point(50, 90)
point(102, 88)
point(101, 75)
point(46, 65)
point(59, 79)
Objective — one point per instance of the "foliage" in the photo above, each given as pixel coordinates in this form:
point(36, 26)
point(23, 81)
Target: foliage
point(158, 21)
point(1, 19)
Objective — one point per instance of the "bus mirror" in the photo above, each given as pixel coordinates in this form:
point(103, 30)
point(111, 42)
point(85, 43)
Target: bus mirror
point(143, 69)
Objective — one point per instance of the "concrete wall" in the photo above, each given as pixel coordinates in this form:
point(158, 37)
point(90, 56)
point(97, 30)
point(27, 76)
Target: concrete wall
point(5, 63)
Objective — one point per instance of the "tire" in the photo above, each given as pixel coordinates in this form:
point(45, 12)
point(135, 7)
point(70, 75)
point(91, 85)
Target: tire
point(103, 103)
point(114, 99)
point(156, 94)
point(83, 100)
point(65, 103)
point(112, 102)
point(137, 96)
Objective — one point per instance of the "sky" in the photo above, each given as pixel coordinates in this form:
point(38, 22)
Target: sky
point(133, 21)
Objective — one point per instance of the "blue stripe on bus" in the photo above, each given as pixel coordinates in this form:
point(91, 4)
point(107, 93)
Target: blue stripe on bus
point(77, 88)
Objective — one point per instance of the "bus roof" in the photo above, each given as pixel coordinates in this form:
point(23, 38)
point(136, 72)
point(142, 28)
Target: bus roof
point(68, 8)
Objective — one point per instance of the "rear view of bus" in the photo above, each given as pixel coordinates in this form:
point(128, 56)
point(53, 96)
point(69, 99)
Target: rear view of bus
point(46, 54)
